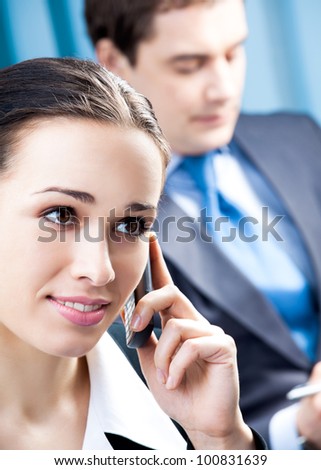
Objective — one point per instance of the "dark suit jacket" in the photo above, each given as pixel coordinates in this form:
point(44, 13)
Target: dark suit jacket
point(287, 150)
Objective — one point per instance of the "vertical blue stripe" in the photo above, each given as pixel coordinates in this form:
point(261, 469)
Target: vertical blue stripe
point(309, 32)
point(69, 28)
point(61, 22)
point(284, 62)
point(31, 32)
point(296, 74)
point(83, 47)
point(7, 53)
point(264, 89)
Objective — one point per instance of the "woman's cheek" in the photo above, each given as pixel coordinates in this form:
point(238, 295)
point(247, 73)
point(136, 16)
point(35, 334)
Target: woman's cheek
point(129, 264)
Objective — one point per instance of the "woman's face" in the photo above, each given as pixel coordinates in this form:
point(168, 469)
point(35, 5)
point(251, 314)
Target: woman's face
point(72, 209)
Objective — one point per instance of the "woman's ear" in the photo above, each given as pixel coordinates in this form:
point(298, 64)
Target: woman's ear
point(111, 57)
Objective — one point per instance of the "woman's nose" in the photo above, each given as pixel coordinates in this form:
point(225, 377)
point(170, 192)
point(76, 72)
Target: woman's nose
point(91, 257)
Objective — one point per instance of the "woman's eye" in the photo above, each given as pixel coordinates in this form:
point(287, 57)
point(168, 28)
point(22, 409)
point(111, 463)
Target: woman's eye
point(132, 226)
point(61, 215)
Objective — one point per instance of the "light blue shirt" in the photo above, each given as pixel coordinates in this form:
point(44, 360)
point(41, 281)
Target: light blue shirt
point(189, 199)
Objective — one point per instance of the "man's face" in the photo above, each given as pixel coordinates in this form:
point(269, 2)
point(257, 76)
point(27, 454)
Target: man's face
point(192, 69)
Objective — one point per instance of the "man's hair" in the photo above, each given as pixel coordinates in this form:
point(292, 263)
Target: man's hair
point(127, 22)
point(46, 88)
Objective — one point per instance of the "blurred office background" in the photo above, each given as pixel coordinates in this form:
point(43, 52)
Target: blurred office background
point(283, 49)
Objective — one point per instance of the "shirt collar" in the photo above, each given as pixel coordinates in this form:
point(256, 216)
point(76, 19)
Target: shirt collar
point(120, 403)
point(173, 164)
point(176, 159)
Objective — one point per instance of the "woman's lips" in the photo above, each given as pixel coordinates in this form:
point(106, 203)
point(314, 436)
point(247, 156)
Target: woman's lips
point(80, 311)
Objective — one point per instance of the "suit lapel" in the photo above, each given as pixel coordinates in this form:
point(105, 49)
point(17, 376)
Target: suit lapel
point(214, 274)
point(123, 443)
point(288, 177)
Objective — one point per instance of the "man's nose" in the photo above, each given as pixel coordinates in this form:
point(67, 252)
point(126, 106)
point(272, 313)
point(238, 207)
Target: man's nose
point(219, 83)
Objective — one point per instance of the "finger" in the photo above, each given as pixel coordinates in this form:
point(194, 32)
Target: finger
point(160, 274)
point(316, 373)
point(169, 302)
point(174, 335)
point(315, 378)
point(219, 350)
point(146, 359)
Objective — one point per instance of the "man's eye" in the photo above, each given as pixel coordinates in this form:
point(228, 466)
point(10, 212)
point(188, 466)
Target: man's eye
point(132, 226)
point(235, 53)
point(188, 68)
point(61, 215)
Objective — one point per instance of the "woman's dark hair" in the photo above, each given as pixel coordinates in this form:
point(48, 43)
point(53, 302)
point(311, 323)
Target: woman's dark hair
point(127, 22)
point(48, 88)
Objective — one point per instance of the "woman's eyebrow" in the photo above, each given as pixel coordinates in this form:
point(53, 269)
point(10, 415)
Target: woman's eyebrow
point(79, 195)
point(139, 206)
point(89, 198)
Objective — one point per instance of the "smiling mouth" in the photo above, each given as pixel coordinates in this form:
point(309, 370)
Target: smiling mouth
point(79, 313)
point(81, 307)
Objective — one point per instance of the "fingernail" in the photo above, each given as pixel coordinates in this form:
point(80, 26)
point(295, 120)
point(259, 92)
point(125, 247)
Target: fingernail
point(152, 236)
point(160, 376)
point(136, 321)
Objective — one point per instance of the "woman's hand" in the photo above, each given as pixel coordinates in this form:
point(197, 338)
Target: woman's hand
point(192, 369)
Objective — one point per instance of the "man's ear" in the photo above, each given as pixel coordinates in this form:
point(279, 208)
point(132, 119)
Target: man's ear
point(111, 57)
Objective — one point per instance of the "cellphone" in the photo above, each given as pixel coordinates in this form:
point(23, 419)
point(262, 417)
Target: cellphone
point(136, 339)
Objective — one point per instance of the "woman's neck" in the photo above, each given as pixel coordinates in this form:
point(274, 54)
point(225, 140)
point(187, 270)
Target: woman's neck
point(43, 396)
point(35, 380)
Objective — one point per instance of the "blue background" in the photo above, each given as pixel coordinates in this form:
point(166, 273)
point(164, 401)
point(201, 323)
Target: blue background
point(283, 49)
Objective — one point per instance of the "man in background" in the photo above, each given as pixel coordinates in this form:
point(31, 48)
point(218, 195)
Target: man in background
point(240, 220)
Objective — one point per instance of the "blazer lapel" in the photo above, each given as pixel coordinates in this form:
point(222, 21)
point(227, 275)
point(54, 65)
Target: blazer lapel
point(122, 443)
point(285, 173)
point(214, 274)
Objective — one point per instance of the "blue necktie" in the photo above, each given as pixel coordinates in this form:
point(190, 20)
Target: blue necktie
point(264, 263)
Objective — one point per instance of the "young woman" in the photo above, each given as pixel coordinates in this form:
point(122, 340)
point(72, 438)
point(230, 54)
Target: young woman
point(82, 166)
